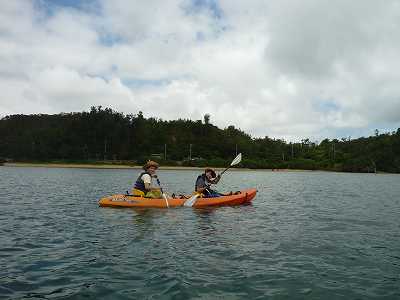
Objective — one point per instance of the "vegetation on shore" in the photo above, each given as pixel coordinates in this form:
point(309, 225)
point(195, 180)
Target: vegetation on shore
point(106, 135)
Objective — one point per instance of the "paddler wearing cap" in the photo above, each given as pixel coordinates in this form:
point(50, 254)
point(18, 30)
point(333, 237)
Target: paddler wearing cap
point(204, 181)
point(147, 183)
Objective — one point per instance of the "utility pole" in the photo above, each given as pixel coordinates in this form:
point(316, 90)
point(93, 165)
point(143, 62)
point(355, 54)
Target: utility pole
point(333, 149)
point(165, 151)
point(105, 148)
point(190, 152)
point(236, 149)
point(373, 163)
point(292, 151)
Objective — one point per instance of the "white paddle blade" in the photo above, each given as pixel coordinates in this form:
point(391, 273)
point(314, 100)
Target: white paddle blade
point(166, 200)
point(237, 159)
point(189, 202)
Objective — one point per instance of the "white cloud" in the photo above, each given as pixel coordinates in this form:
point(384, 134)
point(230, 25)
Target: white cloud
point(287, 69)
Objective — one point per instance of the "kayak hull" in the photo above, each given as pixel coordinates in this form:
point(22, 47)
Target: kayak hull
point(121, 200)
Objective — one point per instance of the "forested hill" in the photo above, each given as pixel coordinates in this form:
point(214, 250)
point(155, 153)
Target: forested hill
point(107, 135)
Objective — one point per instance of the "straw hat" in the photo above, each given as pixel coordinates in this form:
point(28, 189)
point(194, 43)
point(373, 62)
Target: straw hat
point(149, 164)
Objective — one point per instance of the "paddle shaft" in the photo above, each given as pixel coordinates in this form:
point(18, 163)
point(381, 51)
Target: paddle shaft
point(224, 170)
point(162, 192)
point(236, 160)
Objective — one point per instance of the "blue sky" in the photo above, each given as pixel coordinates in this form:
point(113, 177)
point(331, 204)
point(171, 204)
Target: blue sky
point(53, 5)
point(284, 69)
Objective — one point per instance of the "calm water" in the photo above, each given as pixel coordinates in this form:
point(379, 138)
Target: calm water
point(308, 235)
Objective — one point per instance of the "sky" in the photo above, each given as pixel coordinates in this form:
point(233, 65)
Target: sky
point(289, 69)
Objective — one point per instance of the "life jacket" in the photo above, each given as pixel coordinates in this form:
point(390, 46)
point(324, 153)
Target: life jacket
point(203, 176)
point(139, 184)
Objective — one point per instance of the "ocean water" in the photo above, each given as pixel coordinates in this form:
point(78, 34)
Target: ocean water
point(307, 235)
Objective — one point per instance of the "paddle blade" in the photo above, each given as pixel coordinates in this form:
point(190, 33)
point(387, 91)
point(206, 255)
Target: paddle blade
point(166, 200)
point(189, 202)
point(237, 159)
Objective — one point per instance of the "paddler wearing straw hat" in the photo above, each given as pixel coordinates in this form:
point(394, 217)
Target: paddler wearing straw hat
point(204, 181)
point(147, 184)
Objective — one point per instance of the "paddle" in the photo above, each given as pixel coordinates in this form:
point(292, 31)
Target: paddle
point(234, 162)
point(162, 192)
point(165, 197)
point(190, 202)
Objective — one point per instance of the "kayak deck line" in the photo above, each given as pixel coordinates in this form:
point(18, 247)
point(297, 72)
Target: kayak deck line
point(123, 200)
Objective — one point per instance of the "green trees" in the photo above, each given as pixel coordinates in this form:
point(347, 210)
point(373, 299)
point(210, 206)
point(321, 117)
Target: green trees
point(103, 134)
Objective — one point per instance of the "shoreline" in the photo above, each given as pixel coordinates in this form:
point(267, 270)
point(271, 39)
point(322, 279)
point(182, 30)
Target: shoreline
point(137, 167)
point(133, 167)
point(105, 166)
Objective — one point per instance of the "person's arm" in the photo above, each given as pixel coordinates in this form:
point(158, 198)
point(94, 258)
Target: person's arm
point(216, 179)
point(147, 181)
point(201, 189)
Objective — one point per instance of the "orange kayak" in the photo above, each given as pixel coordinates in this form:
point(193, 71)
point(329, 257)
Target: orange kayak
point(121, 200)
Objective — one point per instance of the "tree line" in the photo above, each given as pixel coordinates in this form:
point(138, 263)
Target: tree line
point(105, 135)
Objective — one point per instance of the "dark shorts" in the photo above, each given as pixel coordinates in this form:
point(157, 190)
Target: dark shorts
point(212, 194)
